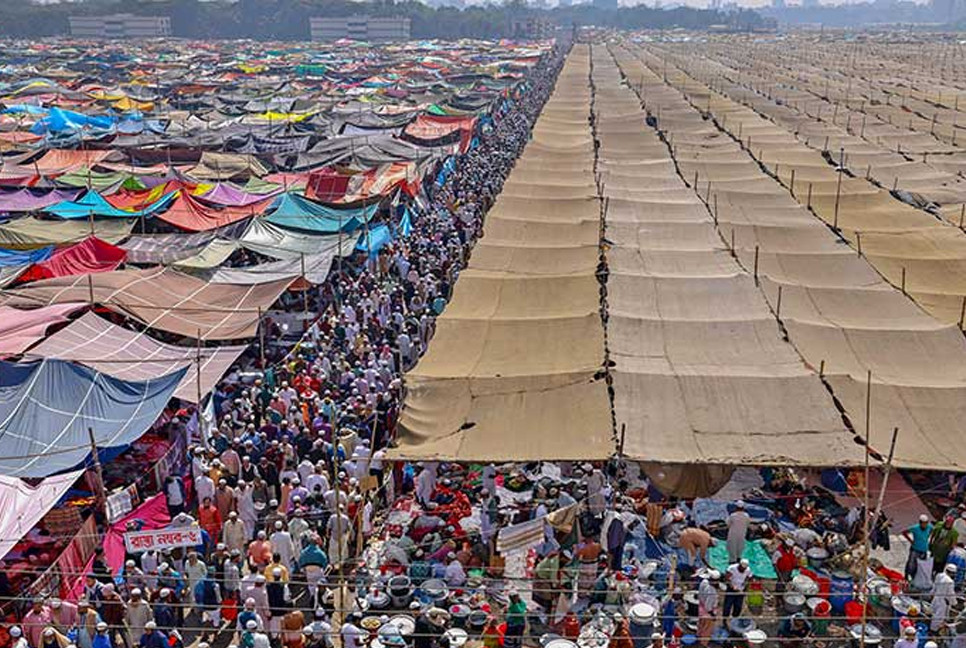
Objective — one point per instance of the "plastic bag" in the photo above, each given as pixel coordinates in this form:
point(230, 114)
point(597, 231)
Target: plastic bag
point(922, 581)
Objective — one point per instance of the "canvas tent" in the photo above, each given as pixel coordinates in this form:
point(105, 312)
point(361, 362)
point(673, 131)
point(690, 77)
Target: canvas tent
point(514, 371)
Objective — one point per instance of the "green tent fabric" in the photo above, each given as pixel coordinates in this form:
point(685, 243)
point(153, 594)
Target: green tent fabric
point(294, 211)
point(260, 186)
point(758, 559)
point(98, 180)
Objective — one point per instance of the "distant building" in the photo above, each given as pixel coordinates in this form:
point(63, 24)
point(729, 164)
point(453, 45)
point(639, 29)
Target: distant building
point(119, 26)
point(532, 27)
point(364, 28)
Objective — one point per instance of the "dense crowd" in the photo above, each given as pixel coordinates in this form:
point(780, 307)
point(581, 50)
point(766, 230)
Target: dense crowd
point(290, 479)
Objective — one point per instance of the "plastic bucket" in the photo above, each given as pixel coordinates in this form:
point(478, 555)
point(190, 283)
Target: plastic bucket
point(642, 617)
point(841, 589)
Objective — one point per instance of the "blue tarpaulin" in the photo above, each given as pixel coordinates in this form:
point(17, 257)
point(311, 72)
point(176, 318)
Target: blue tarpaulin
point(59, 120)
point(47, 407)
point(707, 511)
point(10, 258)
point(406, 224)
point(448, 167)
point(93, 204)
point(298, 212)
point(374, 240)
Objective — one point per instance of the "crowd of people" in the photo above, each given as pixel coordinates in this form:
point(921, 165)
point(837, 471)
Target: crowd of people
point(286, 487)
point(311, 537)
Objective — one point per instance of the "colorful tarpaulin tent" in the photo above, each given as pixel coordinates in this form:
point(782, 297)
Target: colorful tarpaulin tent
point(94, 204)
point(165, 249)
point(25, 200)
point(22, 506)
point(227, 195)
point(161, 298)
point(374, 240)
point(298, 212)
point(58, 161)
point(188, 213)
point(279, 243)
point(90, 255)
point(47, 408)
point(129, 355)
point(27, 233)
point(14, 262)
point(19, 329)
point(313, 267)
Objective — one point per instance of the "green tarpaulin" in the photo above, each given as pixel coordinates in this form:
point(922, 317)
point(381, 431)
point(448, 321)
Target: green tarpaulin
point(758, 559)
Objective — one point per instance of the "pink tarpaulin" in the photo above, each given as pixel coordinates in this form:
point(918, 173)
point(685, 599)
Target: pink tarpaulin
point(19, 329)
point(154, 515)
point(23, 506)
point(25, 200)
point(90, 255)
point(227, 195)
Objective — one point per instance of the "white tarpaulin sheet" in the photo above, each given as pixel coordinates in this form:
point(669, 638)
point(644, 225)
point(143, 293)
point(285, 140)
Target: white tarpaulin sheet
point(22, 506)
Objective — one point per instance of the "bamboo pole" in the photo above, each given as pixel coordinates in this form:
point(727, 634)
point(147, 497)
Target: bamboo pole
point(198, 376)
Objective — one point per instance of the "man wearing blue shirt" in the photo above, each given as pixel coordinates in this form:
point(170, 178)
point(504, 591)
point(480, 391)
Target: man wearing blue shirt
point(918, 537)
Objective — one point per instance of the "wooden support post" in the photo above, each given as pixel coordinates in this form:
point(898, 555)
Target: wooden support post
point(305, 285)
point(838, 189)
point(198, 376)
point(756, 264)
point(885, 475)
point(261, 338)
point(98, 471)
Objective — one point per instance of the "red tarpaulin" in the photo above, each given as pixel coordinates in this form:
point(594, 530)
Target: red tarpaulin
point(90, 255)
point(189, 214)
point(139, 199)
point(430, 128)
point(327, 185)
point(343, 187)
point(153, 514)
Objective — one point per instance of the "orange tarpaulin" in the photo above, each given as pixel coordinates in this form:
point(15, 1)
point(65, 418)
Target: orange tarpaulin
point(189, 214)
point(58, 161)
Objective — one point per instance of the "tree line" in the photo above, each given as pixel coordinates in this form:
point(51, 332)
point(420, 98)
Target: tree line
point(288, 19)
